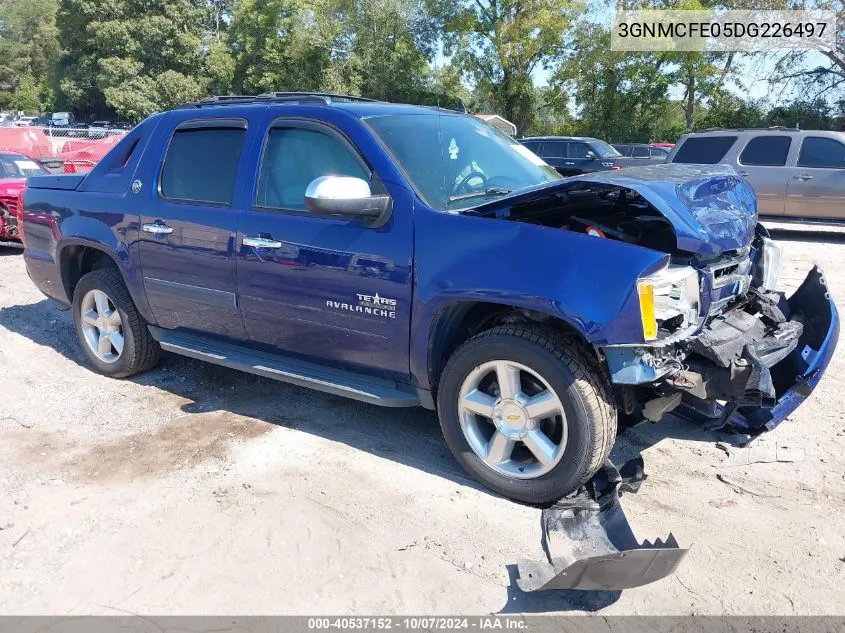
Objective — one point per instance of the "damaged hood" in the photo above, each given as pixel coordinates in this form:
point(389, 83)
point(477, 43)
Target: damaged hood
point(711, 207)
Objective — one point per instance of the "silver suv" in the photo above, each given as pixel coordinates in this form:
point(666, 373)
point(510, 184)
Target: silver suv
point(795, 173)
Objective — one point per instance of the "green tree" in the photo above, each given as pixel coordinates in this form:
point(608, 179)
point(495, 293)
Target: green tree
point(619, 96)
point(499, 44)
point(28, 51)
point(134, 57)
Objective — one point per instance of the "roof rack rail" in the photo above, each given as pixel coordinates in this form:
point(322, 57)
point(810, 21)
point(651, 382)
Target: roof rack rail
point(781, 128)
point(331, 96)
point(274, 97)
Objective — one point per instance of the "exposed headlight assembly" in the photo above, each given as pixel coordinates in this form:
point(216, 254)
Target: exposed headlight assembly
point(669, 300)
point(768, 266)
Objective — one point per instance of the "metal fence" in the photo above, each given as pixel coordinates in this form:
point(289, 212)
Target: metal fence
point(60, 149)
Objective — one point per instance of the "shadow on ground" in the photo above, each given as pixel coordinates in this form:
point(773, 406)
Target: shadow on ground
point(409, 436)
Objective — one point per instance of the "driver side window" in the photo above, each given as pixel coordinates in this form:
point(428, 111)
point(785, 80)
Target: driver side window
point(293, 157)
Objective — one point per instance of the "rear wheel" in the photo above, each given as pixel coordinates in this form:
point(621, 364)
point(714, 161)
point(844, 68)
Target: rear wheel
point(114, 337)
point(526, 412)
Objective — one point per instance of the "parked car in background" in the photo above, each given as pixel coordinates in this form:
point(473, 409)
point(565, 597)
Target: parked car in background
point(24, 121)
point(14, 170)
point(795, 173)
point(640, 154)
point(572, 155)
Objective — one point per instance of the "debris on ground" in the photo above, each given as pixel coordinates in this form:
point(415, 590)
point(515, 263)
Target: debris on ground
point(760, 451)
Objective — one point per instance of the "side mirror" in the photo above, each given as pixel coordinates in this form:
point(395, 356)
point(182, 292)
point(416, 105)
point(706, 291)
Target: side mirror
point(348, 197)
point(591, 155)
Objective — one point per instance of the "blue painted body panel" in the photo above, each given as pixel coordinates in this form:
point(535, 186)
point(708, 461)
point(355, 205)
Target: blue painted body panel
point(305, 299)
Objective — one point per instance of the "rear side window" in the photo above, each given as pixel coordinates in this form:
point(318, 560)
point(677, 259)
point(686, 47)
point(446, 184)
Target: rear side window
point(201, 164)
point(705, 150)
point(657, 152)
point(641, 152)
point(293, 157)
point(554, 149)
point(534, 146)
point(623, 149)
point(766, 151)
point(817, 151)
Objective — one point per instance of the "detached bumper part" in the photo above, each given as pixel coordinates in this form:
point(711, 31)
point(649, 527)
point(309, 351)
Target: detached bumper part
point(590, 545)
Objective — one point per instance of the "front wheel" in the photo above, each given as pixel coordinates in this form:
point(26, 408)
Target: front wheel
point(526, 412)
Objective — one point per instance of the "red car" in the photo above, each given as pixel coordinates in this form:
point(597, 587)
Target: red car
point(14, 170)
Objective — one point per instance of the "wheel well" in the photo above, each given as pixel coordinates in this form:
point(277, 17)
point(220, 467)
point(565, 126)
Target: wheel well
point(457, 323)
point(77, 261)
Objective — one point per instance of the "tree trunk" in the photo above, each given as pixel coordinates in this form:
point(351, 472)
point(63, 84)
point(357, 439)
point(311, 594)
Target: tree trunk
point(689, 105)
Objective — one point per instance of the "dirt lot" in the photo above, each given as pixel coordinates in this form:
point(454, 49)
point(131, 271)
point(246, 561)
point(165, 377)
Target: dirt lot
point(195, 489)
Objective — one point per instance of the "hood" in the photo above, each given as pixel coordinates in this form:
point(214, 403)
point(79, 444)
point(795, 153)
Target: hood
point(711, 208)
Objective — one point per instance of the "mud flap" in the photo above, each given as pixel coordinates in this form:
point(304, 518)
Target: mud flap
point(590, 545)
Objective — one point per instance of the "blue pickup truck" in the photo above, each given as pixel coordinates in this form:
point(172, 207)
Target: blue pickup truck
point(407, 256)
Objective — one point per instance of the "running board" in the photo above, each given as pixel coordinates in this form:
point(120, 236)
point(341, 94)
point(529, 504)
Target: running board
point(385, 393)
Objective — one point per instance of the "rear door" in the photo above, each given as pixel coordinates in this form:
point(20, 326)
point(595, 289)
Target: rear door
point(189, 220)
point(555, 154)
point(817, 181)
point(763, 163)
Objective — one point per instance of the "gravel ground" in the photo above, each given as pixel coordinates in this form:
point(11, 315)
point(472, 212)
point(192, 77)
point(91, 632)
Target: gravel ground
point(195, 489)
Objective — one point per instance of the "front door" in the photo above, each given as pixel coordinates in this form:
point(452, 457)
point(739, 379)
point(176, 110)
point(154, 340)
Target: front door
point(817, 182)
point(326, 289)
point(188, 226)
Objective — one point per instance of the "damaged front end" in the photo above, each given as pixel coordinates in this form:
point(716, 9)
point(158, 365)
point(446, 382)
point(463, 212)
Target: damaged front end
point(756, 356)
point(706, 335)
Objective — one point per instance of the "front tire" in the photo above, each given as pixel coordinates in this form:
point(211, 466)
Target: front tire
point(526, 412)
point(114, 336)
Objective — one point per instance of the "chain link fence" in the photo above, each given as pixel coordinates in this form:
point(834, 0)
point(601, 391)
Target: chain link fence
point(67, 150)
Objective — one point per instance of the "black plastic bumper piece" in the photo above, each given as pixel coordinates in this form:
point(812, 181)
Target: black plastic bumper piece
point(589, 542)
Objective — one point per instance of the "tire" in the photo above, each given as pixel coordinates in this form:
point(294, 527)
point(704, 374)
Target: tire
point(139, 350)
point(588, 415)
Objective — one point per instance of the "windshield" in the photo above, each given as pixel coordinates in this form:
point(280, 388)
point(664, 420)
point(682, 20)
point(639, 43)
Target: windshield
point(455, 162)
point(605, 150)
point(19, 167)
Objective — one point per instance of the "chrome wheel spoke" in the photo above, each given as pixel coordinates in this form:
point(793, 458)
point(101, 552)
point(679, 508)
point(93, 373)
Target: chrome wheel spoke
point(479, 402)
point(507, 375)
point(544, 405)
point(102, 303)
point(116, 339)
point(114, 318)
point(90, 317)
point(499, 449)
point(104, 345)
point(540, 446)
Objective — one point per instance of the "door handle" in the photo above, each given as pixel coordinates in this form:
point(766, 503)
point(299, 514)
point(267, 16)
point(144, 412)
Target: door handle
point(261, 242)
point(568, 163)
point(744, 174)
point(157, 228)
point(803, 177)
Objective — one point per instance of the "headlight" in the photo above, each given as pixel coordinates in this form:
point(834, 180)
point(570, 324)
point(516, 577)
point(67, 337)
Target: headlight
point(669, 300)
point(769, 263)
